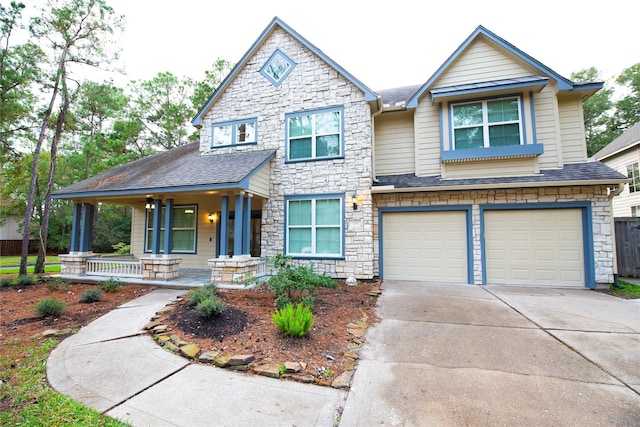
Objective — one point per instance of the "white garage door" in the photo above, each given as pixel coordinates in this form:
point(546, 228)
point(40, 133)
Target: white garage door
point(429, 246)
point(542, 247)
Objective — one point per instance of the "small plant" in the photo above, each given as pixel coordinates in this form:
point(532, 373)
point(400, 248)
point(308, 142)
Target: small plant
point(202, 293)
point(328, 373)
point(49, 307)
point(294, 321)
point(111, 285)
point(210, 307)
point(6, 281)
point(56, 284)
point(283, 369)
point(91, 295)
point(121, 248)
point(25, 280)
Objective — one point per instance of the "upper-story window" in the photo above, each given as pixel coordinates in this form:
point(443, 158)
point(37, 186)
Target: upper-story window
point(315, 135)
point(633, 173)
point(487, 123)
point(277, 67)
point(234, 133)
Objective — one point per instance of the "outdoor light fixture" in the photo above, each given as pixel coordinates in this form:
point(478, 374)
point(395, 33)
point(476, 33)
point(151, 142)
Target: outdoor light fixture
point(354, 200)
point(212, 218)
point(149, 204)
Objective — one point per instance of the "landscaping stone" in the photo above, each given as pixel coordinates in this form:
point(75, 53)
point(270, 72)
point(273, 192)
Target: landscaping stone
point(351, 355)
point(54, 333)
point(151, 325)
point(160, 329)
point(162, 339)
point(178, 341)
point(271, 370)
point(166, 310)
point(190, 350)
point(222, 361)
point(238, 367)
point(357, 332)
point(301, 378)
point(209, 356)
point(241, 359)
point(343, 381)
point(292, 367)
point(171, 346)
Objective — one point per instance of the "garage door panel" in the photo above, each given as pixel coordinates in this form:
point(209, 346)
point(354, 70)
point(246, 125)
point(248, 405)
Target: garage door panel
point(429, 245)
point(534, 247)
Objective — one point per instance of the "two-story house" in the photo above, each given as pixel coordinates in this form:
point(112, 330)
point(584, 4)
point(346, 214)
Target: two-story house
point(479, 175)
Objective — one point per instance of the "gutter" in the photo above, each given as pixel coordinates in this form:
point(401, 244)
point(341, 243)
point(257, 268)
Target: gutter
point(612, 194)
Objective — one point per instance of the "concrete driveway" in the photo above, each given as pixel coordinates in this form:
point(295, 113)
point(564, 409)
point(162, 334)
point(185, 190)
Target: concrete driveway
point(464, 355)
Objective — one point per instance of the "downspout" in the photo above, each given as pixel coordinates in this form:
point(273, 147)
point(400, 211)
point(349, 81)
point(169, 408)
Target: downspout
point(373, 138)
point(612, 194)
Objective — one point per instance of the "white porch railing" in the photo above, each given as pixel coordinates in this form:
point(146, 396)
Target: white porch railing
point(262, 269)
point(114, 267)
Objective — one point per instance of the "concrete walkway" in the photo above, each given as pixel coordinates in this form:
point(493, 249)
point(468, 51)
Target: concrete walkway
point(443, 355)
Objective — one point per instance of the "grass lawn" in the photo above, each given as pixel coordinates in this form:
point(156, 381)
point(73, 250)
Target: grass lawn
point(14, 261)
point(628, 290)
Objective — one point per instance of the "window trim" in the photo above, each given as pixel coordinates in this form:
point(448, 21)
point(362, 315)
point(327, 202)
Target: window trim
point(633, 173)
point(234, 134)
point(315, 197)
point(147, 230)
point(315, 112)
point(265, 74)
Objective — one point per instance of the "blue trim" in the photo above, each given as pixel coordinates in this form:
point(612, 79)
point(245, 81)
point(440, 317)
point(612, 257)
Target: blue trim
point(237, 225)
point(468, 220)
point(492, 152)
point(484, 90)
point(286, 57)
point(288, 116)
point(231, 123)
point(155, 233)
point(321, 196)
point(533, 118)
point(563, 83)
point(369, 95)
point(158, 202)
point(76, 226)
point(441, 124)
point(223, 237)
point(587, 233)
point(246, 227)
point(86, 227)
point(523, 122)
point(168, 227)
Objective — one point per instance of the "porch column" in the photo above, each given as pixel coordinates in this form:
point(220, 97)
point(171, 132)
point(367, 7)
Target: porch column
point(74, 246)
point(168, 227)
point(224, 227)
point(155, 236)
point(246, 223)
point(86, 227)
point(237, 227)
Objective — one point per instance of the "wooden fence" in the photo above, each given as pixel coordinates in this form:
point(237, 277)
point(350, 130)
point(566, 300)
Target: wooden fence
point(628, 246)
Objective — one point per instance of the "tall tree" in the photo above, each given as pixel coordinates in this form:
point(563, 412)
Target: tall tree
point(204, 88)
point(76, 31)
point(628, 108)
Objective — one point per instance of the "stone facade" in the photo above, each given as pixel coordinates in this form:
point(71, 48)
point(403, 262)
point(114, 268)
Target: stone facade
point(160, 268)
point(75, 263)
point(313, 84)
point(232, 270)
point(600, 209)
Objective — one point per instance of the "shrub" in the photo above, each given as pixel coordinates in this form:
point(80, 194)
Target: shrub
point(204, 292)
point(56, 284)
point(295, 283)
point(210, 307)
point(121, 248)
point(25, 280)
point(6, 281)
point(49, 307)
point(111, 285)
point(294, 321)
point(91, 295)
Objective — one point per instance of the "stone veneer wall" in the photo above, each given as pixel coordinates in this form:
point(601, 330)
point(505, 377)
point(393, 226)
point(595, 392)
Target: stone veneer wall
point(311, 85)
point(601, 216)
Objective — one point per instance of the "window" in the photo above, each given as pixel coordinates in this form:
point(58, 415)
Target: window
point(488, 123)
point(314, 226)
point(633, 173)
point(184, 229)
point(277, 67)
point(635, 210)
point(314, 135)
point(234, 133)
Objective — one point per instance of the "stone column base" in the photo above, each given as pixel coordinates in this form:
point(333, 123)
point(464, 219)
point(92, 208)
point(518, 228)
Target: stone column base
point(160, 268)
point(75, 263)
point(230, 270)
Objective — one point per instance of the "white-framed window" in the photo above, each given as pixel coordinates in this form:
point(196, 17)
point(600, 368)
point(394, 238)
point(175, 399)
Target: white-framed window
point(633, 173)
point(184, 229)
point(315, 135)
point(487, 123)
point(635, 210)
point(234, 133)
point(314, 226)
point(277, 67)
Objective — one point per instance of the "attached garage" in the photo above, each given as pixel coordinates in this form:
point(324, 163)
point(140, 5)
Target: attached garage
point(427, 245)
point(541, 247)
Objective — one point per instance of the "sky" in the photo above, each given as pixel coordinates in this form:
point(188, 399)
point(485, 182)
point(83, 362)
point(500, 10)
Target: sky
point(383, 44)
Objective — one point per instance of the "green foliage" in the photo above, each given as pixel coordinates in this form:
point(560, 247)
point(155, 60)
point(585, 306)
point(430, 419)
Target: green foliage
point(202, 293)
point(626, 290)
point(25, 280)
point(295, 283)
point(294, 321)
point(6, 281)
point(210, 307)
point(91, 295)
point(56, 284)
point(49, 307)
point(111, 285)
point(121, 248)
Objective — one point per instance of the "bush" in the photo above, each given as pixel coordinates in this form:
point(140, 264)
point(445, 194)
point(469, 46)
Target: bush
point(204, 292)
point(6, 281)
point(295, 283)
point(111, 285)
point(210, 307)
point(49, 307)
point(121, 248)
point(56, 284)
point(91, 295)
point(294, 321)
point(25, 280)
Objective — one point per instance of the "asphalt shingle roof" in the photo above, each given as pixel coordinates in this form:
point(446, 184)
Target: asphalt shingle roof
point(177, 168)
point(628, 138)
point(587, 172)
point(399, 95)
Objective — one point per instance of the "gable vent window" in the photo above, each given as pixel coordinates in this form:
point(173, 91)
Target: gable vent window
point(277, 67)
point(489, 123)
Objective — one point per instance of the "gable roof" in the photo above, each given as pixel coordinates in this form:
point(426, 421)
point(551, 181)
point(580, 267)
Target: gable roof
point(178, 169)
point(277, 22)
point(563, 83)
point(628, 139)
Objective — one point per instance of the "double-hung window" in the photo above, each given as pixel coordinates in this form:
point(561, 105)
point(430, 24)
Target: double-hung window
point(487, 123)
point(234, 133)
point(633, 173)
point(314, 226)
point(184, 229)
point(315, 135)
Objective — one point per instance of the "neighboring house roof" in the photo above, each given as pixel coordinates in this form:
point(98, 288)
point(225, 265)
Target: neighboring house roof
point(398, 96)
point(563, 83)
point(628, 139)
point(178, 169)
point(276, 22)
point(589, 173)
